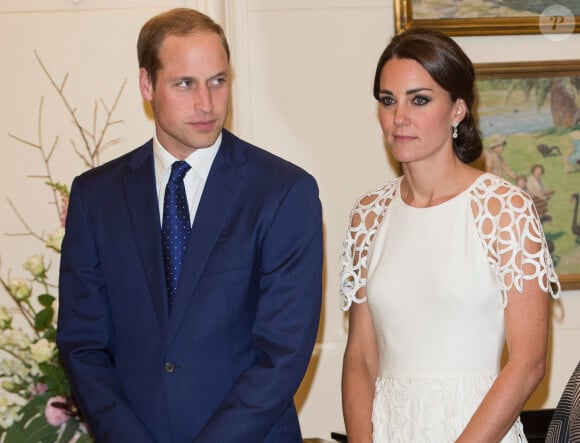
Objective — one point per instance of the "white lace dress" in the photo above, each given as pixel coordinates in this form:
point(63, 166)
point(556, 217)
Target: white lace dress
point(437, 291)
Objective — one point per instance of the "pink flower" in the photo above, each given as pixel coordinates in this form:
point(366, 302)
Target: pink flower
point(55, 411)
point(41, 388)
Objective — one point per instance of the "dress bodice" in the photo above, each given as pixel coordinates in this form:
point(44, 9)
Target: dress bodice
point(436, 305)
point(504, 217)
point(437, 280)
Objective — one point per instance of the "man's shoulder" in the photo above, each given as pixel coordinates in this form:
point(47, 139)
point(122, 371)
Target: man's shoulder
point(258, 160)
point(132, 159)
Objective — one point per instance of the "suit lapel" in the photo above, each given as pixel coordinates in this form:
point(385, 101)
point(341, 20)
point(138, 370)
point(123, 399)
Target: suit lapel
point(144, 215)
point(221, 190)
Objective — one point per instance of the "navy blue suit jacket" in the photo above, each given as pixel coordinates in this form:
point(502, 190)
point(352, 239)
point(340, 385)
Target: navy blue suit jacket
point(224, 364)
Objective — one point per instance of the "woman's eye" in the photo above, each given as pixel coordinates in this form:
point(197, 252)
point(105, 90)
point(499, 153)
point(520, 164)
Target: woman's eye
point(421, 100)
point(386, 100)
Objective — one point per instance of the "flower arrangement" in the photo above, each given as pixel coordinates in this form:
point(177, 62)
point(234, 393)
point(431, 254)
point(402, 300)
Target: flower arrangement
point(36, 404)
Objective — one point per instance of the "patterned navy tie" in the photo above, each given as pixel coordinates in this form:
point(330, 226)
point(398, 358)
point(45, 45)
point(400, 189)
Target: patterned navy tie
point(176, 225)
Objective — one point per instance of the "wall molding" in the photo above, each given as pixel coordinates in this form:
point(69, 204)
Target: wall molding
point(273, 5)
point(16, 6)
point(237, 30)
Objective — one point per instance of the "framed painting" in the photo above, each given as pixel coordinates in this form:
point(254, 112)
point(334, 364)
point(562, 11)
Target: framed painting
point(529, 117)
point(490, 17)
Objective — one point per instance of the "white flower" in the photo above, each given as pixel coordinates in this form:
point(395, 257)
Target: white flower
point(11, 415)
point(4, 403)
point(8, 386)
point(8, 412)
point(42, 350)
point(11, 366)
point(55, 239)
point(20, 289)
point(18, 370)
point(5, 318)
point(14, 338)
point(35, 264)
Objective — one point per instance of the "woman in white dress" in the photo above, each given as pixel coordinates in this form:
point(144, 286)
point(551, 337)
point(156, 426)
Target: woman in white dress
point(441, 267)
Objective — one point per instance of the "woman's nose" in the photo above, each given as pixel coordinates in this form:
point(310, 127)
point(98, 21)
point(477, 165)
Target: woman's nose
point(399, 116)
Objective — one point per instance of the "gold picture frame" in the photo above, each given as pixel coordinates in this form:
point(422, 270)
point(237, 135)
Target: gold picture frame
point(483, 24)
point(518, 102)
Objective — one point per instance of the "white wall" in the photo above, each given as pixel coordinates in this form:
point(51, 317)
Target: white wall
point(302, 72)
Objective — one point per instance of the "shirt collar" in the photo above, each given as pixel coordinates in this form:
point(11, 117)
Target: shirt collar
point(200, 160)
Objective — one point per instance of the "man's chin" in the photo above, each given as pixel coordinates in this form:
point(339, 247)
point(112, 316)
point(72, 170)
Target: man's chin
point(204, 141)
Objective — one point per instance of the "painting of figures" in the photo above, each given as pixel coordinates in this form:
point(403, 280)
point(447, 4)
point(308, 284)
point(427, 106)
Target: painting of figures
point(451, 9)
point(490, 17)
point(531, 132)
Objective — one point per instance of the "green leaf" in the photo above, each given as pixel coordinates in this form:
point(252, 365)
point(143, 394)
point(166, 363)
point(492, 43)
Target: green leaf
point(84, 438)
point(32, 427)
point(36, 430)
point(71, 427)
point(33, 408)
point(50, 333)
point(55, 378)
point(60, 188)
point(46, 300)
point(43, 319)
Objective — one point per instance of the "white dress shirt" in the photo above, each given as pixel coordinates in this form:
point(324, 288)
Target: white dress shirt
point(195, 179)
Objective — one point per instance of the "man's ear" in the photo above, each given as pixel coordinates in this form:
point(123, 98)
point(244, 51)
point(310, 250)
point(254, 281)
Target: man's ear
point(145, 85)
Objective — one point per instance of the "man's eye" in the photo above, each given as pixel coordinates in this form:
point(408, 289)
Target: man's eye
point(218, 81)
point(184, 83)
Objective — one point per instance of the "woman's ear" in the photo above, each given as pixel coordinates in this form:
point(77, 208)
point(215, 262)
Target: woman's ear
point(459, 110)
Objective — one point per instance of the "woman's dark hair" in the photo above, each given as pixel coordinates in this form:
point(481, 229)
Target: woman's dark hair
point(450, 67)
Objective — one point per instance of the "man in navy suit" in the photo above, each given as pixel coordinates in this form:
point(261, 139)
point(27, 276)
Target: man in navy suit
point(222, 359)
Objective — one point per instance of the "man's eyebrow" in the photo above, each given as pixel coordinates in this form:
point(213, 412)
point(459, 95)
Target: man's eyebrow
point(220, 74)
point(183, 78)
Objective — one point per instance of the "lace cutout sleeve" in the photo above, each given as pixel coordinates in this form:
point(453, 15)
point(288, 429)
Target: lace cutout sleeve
point(365, 218)
point(512, 235)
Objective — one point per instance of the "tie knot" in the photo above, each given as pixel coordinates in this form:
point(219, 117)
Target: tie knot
point(178, 171)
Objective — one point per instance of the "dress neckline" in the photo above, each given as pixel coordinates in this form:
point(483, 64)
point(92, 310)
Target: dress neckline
point(457, 196)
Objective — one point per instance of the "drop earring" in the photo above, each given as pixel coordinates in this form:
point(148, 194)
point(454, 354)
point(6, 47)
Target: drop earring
point(455, 134)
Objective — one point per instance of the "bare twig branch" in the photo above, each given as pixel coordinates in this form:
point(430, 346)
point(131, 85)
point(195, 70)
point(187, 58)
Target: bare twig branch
point(60, 90)
point(99, 146)
point(21, 140)
point(89, 153)
point(91, 157)
point(29, 230)
point(28, 316)
point(81, 155)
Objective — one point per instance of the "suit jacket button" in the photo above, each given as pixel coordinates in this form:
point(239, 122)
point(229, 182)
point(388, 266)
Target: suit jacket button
point(169, 367)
